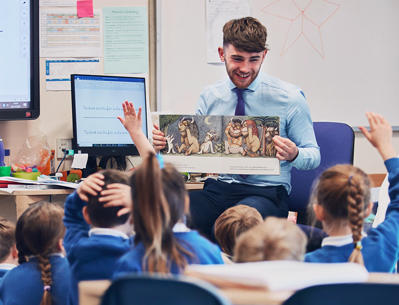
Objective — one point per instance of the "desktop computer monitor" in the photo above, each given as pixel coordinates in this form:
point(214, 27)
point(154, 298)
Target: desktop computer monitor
point(96, 104)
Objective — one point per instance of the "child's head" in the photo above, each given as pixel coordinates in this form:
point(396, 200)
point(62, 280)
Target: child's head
point(232, 222)
point(106, 217)
point(273, 239)
point(341, 198)
point(7, 240)
point(39, 232)
point(160, 200)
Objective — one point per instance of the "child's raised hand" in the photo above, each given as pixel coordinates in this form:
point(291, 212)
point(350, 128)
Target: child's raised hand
point(132, 121)
point(380, 135)
point(92, 185)
point(117, 194)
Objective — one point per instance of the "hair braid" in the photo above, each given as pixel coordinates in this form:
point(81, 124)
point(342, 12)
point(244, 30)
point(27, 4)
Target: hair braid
point(45, 271)
point(355, 217)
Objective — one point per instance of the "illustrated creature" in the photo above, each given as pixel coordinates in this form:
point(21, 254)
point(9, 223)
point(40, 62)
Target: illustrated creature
point(268, 149)
point(249, 131)
point(207, 145)
point(188, 130)
point(170, 139)
point(233, 145)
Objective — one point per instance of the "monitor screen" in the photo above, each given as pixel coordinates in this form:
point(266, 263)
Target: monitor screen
point(96, 104)
point(19, 59)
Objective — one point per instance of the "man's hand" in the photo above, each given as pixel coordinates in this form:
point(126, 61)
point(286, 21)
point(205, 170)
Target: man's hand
point(158, 139)
point(286, 149)
point(91, 186)
point(380, 135)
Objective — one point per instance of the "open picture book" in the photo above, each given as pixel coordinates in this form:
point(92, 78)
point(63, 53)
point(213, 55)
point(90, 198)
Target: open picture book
point(221, 144)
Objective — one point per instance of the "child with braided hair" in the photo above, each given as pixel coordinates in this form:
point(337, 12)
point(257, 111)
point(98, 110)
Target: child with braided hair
point(341, 200)
point(43, 276)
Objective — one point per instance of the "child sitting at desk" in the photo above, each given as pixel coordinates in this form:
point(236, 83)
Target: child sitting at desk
point(93, 252)
point(8, 249)
point(43, 276)
point(341, 200)
point(273, 239)
point(162, 243)
point(231, 224)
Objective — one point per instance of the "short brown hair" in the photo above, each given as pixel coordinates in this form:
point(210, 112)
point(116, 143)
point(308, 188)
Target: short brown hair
point(274, 239)
point(245, 34)
point(7, 238)
point(232, 223)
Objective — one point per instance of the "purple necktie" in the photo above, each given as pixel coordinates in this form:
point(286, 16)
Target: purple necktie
point(240, 108)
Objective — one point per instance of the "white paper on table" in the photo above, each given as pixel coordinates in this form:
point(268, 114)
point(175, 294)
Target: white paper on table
point(283, 275)
point(58, 71)
point(63, 34)
point(218, 12)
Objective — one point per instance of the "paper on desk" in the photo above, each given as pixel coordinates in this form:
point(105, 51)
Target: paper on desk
point(281, 275)
point(41, 180)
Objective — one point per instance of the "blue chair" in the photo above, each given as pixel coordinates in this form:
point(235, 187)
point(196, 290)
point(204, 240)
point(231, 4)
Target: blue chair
point(160, 289)
point(336, 142)
point(346, 294)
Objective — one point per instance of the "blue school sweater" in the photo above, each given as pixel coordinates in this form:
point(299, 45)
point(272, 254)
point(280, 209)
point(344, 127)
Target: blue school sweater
point(380, 247)
point(204, 252)
point(92, 254)
point(23, 285)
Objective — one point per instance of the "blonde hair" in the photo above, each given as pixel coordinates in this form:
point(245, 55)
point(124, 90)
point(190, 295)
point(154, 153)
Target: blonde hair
point(344, 193)
point(232, 223)
point(274, 239)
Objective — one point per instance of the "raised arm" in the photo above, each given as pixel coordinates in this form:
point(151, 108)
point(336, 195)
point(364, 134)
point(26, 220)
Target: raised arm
point(132, 122)
point(380, 135)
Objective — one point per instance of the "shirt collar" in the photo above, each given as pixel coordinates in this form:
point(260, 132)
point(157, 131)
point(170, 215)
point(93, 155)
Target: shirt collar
point(180, 227)
point(107, 231)
point(252, 87)
point(339, 241)
point(7, 266)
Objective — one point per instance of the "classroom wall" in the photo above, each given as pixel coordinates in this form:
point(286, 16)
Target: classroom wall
point(56, 120)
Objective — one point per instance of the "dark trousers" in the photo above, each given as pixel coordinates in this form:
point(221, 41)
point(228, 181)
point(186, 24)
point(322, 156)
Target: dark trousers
point(217, 196)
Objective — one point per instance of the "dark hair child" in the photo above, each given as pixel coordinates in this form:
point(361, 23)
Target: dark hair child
point(43, 276)
point(96, 235)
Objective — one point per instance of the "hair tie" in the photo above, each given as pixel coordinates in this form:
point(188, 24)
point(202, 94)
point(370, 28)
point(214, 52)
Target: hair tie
point(47, 288)
point(160, 160)
point(350, 179)
point(359, 245)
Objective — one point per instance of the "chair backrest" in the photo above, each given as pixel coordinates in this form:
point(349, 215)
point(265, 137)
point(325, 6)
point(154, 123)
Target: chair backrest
point(156, 289)
point(336, 142)
point(346, 294)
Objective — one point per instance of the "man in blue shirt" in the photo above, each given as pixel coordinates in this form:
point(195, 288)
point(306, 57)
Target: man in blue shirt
point(247, 92)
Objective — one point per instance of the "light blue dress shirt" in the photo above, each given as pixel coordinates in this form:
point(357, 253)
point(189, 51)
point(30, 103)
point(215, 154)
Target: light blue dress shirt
point(268, 96)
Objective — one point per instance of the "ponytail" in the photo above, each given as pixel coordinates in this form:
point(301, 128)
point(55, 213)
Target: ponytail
point(158, 197)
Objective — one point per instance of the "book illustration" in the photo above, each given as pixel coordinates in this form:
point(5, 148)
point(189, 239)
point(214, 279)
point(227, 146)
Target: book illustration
point(227, 136)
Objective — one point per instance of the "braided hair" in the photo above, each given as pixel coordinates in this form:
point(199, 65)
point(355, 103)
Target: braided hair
point(38, 232)
point(344, 193)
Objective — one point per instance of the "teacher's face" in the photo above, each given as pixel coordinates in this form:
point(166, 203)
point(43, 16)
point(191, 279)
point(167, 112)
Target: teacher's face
point(242, 67)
